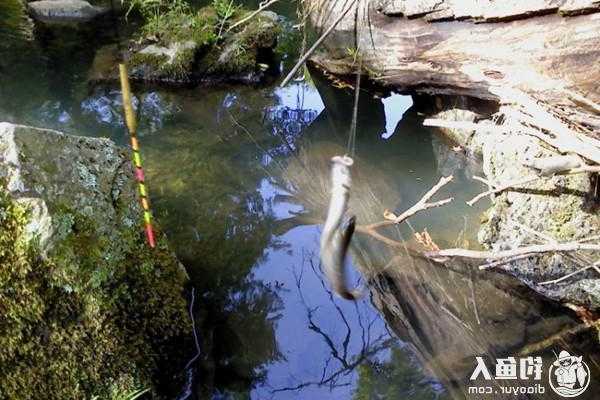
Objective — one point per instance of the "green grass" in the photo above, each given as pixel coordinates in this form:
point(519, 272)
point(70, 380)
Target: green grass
point(133, 395)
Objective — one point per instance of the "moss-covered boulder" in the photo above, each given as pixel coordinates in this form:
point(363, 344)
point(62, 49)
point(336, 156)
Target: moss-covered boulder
point(87, 308)
point(183, 47)
point(246, 54)
point(172, 63)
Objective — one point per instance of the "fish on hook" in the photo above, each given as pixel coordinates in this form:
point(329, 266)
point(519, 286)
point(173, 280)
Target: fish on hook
point(335, 239)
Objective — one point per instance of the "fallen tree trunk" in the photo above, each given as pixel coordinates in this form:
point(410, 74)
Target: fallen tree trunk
point(546, 49)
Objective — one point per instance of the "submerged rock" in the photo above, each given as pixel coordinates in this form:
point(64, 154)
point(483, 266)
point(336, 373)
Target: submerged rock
point(65, 10)
point(88, 308)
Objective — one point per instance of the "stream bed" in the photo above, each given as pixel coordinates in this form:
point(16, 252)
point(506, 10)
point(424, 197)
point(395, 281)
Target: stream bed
point(238, 180)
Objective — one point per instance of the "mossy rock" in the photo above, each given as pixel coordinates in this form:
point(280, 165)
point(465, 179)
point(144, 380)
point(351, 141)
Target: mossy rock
point(196, 47)
point(243, 54)
point(88, 309)
point(165, 64)
point(556, 208)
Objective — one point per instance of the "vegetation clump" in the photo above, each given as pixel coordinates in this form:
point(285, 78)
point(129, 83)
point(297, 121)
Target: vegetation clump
point(91, 318)
point(180, 43)
point(175, 21)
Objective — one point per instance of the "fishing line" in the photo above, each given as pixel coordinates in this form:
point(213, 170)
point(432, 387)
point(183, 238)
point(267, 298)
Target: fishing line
point(196, 342)
point(187, 391)
point(351, 148)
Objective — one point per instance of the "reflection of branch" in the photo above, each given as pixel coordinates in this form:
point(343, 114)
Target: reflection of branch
point(337, 307)
point(339, 353)
point(557, 337)
point(303, 59)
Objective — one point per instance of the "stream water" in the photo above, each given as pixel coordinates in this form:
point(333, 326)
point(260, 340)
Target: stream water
point(238, 180)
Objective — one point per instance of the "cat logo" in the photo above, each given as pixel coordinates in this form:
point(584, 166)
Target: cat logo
point(569, 376)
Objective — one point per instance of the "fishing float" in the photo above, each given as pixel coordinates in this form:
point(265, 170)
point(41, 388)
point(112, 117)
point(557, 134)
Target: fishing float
point(131, 123)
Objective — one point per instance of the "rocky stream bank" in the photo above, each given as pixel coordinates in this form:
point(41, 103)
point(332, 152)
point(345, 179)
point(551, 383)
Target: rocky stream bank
point(527, 64)
point(88, 308)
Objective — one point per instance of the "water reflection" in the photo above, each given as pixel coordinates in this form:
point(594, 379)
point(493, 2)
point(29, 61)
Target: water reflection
point(239, 181)
point(266, 316)
point(444, 314)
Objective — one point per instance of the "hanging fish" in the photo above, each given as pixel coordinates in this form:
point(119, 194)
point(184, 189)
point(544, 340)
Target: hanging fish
point(335, 239)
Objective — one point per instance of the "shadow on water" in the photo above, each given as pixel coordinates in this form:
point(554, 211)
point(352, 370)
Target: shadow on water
point(239, 181)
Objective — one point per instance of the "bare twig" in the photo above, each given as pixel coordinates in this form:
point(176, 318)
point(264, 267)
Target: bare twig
point(557, 337)
point(366, 229)
point(317, 44)
point(421, 205)
point(262, 6)
point(532, 178)
point(503, 187)
point(499, 255)
point(578, 98)
point(474, 298)
point(498, 263)
point(567, 276)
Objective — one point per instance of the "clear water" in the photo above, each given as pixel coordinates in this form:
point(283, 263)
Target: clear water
point(238, 180)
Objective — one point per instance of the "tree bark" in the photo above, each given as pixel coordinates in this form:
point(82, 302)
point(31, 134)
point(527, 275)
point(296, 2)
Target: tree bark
point(547, 49)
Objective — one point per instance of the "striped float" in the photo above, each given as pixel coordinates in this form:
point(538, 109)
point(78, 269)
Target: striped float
point(137, 158)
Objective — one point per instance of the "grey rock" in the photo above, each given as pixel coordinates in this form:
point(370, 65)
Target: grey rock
point(270, 15)
point(554, 207)
point(49, 171)
point(65, 10)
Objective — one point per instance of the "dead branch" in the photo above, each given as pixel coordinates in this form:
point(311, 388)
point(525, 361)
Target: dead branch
point(516, 183)
point(567, 276)
point(534, 118)
point(421, 205)
point(580, 99)
point(317, 44)
point(501, 188)
point(557, 337)
point(505, 261)
point(547, 127)
point(499, 255)
point(260, 8)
